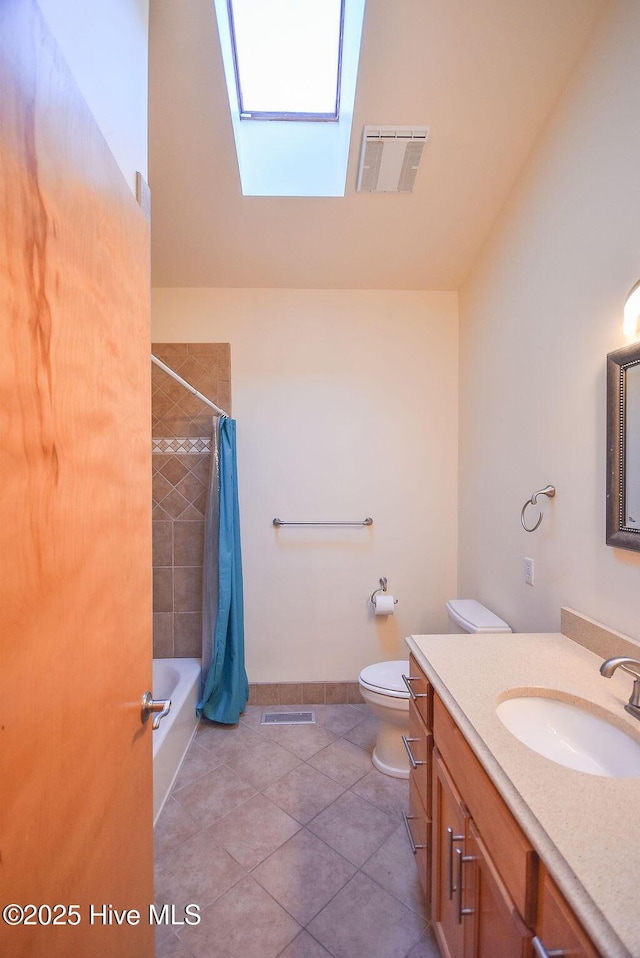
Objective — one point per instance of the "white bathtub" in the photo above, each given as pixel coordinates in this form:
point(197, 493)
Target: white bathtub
point(178, 680)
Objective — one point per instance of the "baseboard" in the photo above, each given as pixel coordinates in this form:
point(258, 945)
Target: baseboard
point(304, 693)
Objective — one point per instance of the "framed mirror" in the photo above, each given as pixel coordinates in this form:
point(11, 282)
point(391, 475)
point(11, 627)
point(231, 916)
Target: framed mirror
point(623, 448)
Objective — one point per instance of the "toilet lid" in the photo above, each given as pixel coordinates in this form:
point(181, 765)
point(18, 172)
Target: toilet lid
point(386, 677)
point(472, 616)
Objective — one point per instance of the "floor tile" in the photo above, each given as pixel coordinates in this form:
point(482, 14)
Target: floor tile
point(196, 872)
point(353, 827)
point(212, 795)
point(384, 791)
point(303, 792)
point(303, 875)
point(427, 947)
point(168, 945)
point(364, 919)
point(174, 826)
point(342, 761)
point(303, 740)
point(226, 742)
point(271, 828)
point(304, 946)
point(393, 866)
point(254, 831)
point(338, 718)
point(262, 762)
point(197, 762)
point(364, 734)
point(244, 923)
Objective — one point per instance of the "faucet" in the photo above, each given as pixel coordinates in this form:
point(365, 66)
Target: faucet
point(632, 666)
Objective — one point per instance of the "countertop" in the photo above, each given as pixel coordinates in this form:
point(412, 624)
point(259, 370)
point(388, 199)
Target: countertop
point(586, 828)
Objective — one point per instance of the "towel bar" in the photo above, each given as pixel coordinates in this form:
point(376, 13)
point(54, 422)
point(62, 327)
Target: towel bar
point(361, 522)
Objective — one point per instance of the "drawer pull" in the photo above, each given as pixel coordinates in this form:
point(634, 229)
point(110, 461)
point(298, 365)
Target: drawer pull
point(407, 679)
point(543, 952)
point(451, 838)
point(461, 860)
point(406, 819)
point(414, 761)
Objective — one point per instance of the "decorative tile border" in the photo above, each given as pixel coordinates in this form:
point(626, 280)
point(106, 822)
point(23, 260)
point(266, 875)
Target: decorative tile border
point(181, 446)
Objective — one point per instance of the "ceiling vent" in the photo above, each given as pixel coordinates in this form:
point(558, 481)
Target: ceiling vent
point(389, 158)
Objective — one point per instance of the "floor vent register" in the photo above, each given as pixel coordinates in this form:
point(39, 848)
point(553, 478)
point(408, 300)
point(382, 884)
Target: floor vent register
point(288, 718)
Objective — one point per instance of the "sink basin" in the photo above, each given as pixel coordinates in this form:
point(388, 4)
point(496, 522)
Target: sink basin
point(570, 735)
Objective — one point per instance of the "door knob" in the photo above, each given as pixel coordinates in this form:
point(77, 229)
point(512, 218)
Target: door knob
point(158, 707)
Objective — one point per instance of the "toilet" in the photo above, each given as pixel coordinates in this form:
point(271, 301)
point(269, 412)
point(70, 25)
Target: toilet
point(383, 688)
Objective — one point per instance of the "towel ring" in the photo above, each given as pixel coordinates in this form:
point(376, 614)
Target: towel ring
point(549, 491)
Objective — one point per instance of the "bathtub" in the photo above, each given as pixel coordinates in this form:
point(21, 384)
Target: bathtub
point(178, 680)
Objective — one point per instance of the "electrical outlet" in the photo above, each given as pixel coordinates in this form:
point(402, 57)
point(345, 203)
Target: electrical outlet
point(528, 571)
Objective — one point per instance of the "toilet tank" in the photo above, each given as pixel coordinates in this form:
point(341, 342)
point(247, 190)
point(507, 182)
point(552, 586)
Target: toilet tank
point(467, 615)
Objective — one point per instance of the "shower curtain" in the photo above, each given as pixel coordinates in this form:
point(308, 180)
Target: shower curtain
point(226, 688)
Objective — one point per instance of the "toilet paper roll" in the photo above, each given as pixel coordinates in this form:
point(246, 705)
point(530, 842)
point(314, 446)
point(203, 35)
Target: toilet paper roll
point(384, 604)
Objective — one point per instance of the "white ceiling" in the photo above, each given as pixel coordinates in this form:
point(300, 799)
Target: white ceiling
point(482, 74)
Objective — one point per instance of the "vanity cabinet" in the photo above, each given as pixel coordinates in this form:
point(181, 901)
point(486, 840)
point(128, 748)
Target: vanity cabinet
point(557, 929)
point(451, 888)
point(473, 910)
point(498, 929)
point(488, 891)
point(419, 745)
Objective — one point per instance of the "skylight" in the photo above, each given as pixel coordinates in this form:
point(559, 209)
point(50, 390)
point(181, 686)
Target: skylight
point(287, 58)
point(316, 72)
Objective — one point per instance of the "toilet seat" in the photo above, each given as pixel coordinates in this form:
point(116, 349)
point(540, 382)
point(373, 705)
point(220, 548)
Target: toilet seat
point(385, 678)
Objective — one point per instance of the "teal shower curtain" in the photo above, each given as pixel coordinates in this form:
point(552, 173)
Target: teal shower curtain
point(226, 688)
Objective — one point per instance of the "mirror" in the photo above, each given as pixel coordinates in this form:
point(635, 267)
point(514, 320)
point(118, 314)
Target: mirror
point(623, 448)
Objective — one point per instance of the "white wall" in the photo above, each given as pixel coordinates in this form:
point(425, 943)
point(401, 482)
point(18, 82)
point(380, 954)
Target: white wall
point(346, 403)
point(539, 313)
point(105, 43)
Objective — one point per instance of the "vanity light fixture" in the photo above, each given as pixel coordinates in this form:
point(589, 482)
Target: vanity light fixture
point(632, 311)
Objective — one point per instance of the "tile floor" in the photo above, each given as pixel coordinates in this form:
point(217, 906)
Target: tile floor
point(291, 843)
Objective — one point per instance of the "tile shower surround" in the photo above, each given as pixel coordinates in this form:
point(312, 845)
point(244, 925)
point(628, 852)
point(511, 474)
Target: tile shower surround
point(291, 843)
point(180, 465)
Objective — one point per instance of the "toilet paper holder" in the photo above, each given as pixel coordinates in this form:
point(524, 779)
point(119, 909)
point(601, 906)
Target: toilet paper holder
point(383, 588)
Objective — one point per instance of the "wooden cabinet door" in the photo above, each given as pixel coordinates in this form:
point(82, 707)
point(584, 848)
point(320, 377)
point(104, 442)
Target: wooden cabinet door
point(419, 828)
point(420, 743)
point(557, 928)
point(449, 888)
point(498, 929)
point(75, 519)
point(422, 693)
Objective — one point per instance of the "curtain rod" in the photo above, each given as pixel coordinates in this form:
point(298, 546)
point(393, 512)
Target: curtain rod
point(192, 389)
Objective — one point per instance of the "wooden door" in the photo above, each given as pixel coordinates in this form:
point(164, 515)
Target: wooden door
point(75, 525)
point(557, 928)
point(449, 834)
point(498, 929)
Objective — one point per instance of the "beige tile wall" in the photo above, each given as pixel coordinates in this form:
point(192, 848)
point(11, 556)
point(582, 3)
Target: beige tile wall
point(304, 693)
point(179, 489)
